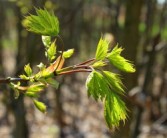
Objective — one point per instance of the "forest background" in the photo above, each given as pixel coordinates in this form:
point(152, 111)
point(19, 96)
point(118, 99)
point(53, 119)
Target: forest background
point(139, 26)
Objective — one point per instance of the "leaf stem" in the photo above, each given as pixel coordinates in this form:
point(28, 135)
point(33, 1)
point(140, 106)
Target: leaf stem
point(87, 61)
point(74, 71)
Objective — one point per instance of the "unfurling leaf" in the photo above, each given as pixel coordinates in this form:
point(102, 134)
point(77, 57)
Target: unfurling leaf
point(101, 87)
point(120, 62)
point(96, 85)
point(40, 106)
point(114, 81)
point(114, 110)
point(102, 49)
point(68, 53)
point(46, 40)
point(28, 70)
point(16, 89)
point(32, 94)
point(52, 82)
point(24, 77)
point(36, 87)
point(51, 52)
point(99, 64)
point(44, 23)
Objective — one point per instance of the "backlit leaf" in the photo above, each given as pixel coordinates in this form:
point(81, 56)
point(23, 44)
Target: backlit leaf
point(40, 106)
point(28, 70)
point(114, 110)
point(96, 86)
point(99, 87)
point(99, 64)
point(52, 82)
point(68, 53)
point(46, 40)
point(120, 62)
point(51, 52)
point(24, 77)
point(44, 23)
point(102, 49)
point(32, 94)
point(36, 87)
point(114, 81)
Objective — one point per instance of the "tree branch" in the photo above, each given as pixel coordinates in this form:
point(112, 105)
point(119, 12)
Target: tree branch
point(9, 80)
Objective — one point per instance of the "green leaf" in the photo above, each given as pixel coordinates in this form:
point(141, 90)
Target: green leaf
point(16, 93)
point(52, 82)
point(24, 77)
point(114, 81)
point(51, 52)
point(99, 63)
point(46, 40)
point(120, 62)
point(15, 87)
point(40, 106)
point(114, 110)
point(36, 87)
point(28, 70)
point(99, 88)
point(32, 94)
point(44, 23)
point(96, 85)
point(102, 49)
point(68, 53)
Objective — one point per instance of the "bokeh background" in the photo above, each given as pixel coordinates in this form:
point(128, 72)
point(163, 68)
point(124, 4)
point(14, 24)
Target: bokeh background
point(139, 26)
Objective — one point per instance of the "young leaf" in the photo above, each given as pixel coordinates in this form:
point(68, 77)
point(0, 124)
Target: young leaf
point(44, 23)
point(28, 70)
point(52, 82)
point(114, 81)
point(114, 110)
point(99, 63)
point(102, 49)
point(32, 94)
point(51, 52)
point(96, 85)
point(24, 77)
point(36, 87)
point(120, 62)
point(40, 106)
point(16, 93)
point(46, 40)
point(68, 53)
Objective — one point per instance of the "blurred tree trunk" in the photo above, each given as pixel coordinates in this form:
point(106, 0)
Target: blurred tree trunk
point(71, 31)
point(130, 42)
point(151, 10)
point(21, 128)
point(2, 26)
point(131, 37)
point(28, 47)
point(116, 5)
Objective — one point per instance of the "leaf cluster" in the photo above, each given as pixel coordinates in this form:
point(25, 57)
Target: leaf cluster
point(101, 84)
point(106, 85)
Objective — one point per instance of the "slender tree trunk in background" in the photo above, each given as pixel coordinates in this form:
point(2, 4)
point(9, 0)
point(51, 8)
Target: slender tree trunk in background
point(71, 20)
point(151, 10)
point(130, 43)
point(114, 18)
point(2, 26)
point(21, 128)
point(131, 37)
